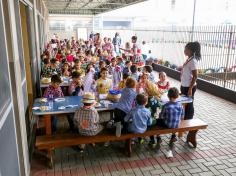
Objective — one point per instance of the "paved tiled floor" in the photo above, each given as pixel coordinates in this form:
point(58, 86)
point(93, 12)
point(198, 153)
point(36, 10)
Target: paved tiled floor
point(214, 155)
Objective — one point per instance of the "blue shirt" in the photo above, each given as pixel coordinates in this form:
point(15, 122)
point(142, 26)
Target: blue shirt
point(127, 99)
point(152, 78)
point(171, 113)
point(126, 70)
point(135, 76)
point(140, 117)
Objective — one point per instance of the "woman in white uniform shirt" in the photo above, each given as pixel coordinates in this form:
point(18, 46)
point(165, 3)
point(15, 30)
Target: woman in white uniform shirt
point(189, 75)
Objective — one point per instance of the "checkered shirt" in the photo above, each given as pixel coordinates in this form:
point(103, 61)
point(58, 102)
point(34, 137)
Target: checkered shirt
point(87, 121)
point(171, 113)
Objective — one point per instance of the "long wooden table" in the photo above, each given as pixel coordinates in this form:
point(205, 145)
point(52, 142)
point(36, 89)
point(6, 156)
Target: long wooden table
point(71, 104)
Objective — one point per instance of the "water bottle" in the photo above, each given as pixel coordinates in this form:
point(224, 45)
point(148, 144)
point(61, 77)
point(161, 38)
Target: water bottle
point(50, 101)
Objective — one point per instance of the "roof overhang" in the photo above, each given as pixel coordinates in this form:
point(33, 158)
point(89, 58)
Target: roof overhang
point(86, 7)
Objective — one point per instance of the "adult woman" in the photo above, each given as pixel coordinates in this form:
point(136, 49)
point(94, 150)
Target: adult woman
point(116, 41)
point(189, 75)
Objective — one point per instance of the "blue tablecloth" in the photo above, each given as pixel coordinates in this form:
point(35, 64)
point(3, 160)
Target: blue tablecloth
point(75, 101)
point(182, 99)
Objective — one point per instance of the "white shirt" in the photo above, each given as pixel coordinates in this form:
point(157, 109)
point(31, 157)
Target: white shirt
point(144, 49)
point(54, 45)
point(186, 76)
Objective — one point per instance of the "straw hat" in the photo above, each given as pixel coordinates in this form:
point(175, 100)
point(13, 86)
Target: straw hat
point(88, 98)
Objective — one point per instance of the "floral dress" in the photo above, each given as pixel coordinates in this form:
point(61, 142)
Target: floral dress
point(46, 72)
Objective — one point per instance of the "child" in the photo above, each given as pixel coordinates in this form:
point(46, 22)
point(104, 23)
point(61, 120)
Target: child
point(77, 67)
point(102, 64)
point(55, 70)
point(89, 82)
point(120, 62)
point(69, 57)
point(86, 118)
point(54, 91)
point(127, 67)
point(163, 84)
point(122, 83)
point(148, 68)
point(171, 115)
point(54, 88)
point(59, 55)
point(148, 87)
point(103, 83)
point(125, 104)
point(140, 117)
point(134, 72)
point(65, 70)
point(46, 70)
point(76, 88)
point(115, 71)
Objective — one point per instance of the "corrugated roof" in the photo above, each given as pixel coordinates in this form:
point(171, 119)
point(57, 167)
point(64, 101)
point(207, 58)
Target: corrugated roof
point(86, 7)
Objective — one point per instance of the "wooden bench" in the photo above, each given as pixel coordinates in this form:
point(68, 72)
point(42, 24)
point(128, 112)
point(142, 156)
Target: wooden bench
point(64, 140)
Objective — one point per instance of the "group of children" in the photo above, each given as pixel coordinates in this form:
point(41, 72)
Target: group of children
point(140, 95)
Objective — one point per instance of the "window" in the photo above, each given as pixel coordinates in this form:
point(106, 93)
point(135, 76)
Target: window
point(57, 25)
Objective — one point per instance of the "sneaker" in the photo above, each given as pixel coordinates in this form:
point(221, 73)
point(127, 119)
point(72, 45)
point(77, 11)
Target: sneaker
point(118, 129)
point(106, 144)
point(141, 141)
point(173, 139)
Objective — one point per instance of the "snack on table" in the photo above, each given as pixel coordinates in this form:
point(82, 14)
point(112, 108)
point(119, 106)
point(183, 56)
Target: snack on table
point(97, 105)
point(45, 80)
point(43, 108)
point(43, 100)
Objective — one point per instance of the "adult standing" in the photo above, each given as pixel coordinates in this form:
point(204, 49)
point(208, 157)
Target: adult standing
point(116, 41)
point(189, 75)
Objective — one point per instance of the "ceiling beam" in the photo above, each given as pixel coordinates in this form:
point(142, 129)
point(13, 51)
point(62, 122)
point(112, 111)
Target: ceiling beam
point(101, 7)
point(67, 5)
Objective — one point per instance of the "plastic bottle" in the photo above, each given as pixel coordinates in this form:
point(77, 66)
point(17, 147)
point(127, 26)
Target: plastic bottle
point(50, 101)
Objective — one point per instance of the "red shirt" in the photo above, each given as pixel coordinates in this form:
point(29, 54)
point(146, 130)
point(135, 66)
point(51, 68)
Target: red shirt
point(59, 57)
point(69, 58)
point(163, 86)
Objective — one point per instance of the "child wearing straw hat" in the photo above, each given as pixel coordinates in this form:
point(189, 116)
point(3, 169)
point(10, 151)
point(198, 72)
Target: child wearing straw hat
point(86, 118)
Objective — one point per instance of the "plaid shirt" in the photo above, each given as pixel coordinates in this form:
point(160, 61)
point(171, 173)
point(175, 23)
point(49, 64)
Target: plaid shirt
point(87, 121)
point(55, 92)
point(171, 113)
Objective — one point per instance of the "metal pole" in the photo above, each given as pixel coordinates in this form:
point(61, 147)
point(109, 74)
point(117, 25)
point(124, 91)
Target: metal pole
point(228, 55)
point(193, 21)
point(93, 24)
